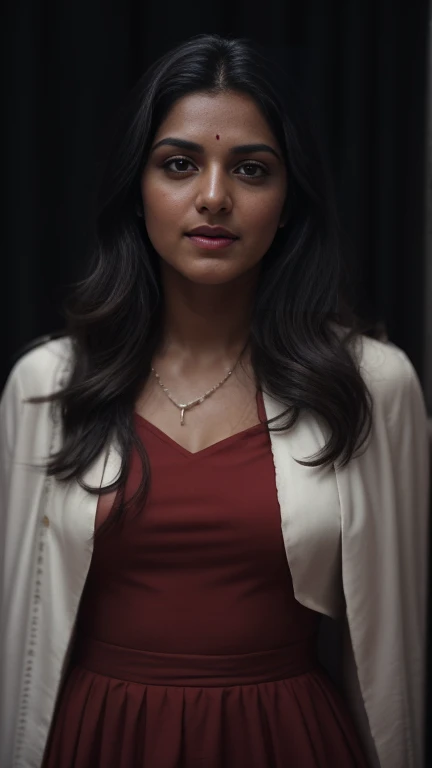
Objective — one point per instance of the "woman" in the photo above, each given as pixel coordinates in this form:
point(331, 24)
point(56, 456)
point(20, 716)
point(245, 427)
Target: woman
point(206, 519)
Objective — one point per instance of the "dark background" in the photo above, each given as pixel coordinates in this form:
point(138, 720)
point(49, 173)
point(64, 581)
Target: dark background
point(68, 66)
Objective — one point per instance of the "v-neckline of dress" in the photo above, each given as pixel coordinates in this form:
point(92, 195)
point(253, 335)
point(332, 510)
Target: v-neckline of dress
point(141, 420)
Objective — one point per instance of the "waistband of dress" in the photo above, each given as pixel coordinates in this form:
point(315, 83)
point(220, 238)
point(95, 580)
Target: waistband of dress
point(179, 669)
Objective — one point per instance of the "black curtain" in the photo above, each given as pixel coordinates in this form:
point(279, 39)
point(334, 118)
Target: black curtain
point(67, 67)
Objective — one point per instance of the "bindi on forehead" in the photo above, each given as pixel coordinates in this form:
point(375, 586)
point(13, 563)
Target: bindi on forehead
point(217, 136)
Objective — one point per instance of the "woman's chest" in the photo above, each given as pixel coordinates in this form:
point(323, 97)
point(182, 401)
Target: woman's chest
point(227, 411)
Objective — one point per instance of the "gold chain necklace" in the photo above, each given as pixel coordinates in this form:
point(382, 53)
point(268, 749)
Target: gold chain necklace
point(185, 406)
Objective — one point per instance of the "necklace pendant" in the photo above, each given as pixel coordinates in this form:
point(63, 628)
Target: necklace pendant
point(182, 416)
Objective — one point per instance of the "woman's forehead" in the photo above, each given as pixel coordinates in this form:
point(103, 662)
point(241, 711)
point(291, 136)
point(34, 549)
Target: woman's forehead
point(228, 115)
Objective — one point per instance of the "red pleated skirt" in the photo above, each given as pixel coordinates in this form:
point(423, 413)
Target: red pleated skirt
point(134, 709)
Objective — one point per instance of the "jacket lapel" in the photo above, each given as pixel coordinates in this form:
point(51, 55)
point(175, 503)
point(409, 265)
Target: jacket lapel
point(310, 513)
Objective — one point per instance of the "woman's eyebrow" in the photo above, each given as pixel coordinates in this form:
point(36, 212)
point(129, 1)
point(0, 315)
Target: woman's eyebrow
point(193, 147)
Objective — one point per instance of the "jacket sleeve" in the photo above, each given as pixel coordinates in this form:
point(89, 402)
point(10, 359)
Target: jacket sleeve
point(11, 406)
point(407, 426)
point(385, 527)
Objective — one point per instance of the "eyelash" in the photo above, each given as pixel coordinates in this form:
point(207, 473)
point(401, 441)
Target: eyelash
point(253, 163)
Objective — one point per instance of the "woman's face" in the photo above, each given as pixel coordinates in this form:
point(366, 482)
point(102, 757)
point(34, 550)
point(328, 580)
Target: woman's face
point(218, 182)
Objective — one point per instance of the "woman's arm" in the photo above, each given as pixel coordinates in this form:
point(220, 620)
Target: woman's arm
point(385, 501)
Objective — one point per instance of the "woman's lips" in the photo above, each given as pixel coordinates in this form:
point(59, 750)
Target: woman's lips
point(211, 243)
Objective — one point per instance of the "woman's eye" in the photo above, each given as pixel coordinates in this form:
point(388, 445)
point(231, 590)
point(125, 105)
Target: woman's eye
point(177, 160)
point(250, 174)
point(254, 167)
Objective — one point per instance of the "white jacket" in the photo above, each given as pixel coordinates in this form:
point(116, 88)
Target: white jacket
point(355, 539)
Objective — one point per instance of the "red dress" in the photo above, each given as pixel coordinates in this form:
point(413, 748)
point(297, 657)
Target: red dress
point(191, 650)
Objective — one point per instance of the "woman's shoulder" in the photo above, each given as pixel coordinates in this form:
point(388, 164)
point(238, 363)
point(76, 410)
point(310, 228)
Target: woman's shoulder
point(384, 361)
point(37, 371)
point(391, 378)
point(38, 366)
point(388, 372)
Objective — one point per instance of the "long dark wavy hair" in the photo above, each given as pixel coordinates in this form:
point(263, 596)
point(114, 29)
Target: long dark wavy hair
point(303, 321)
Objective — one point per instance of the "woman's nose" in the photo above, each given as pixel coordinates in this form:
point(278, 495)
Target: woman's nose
point(213, 192)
